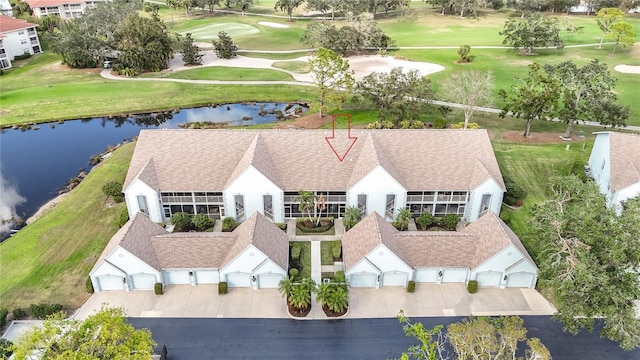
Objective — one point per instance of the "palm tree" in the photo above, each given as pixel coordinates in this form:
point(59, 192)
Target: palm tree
point(286, 286)
point(403, 218)
point(351, 217)
point(300, 298)
point(308, 285)
point(338, 300)
point(323, 293)
point(305, 201)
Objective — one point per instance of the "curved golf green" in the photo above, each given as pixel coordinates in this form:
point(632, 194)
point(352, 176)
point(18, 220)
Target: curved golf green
point(210, 32)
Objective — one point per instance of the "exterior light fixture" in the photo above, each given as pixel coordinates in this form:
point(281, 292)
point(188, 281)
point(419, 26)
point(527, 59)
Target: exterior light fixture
point(440, 273)
point(253, 278)
point(124, 280)
point(190, 273)
point(505, 277)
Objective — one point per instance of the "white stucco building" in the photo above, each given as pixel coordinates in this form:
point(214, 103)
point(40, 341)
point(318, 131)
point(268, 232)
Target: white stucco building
point(240, 172)
point(377, 255)
point(17, 37)
point(143, 253)
point(65, 9)
point(615, 166)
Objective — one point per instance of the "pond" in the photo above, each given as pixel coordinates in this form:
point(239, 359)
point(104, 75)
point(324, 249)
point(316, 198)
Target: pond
point(35, 164)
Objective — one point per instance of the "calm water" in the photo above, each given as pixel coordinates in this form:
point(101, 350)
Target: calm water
point(35, 164)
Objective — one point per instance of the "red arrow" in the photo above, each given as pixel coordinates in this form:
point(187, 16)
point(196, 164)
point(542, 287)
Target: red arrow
point(349, 137)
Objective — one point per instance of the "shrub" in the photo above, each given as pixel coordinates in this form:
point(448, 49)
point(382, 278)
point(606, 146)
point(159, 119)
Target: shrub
point(472, 286)
point(411, 286)
point(181, 221)
point(385, 124)
point(224, 46)
point(295, 251)
point(229, 224)
point(505, 216)
point(118, 198)
point(202, 221)
point(463, 53)
point(460, 125)
point(440, 124)
point(222, 287)
point(41, 311)
point(578, 170)
point(19, 313)
point(158, 289)
point(450, 221)
point(112, 188)
point(411, 124)
point(514, 190)
point(24, 56)
point(339, 277)
point(281, 226)
point(336, 249)
point(6, 348)
point(89, 285)
point(3, 316)
point(425, 220)
point(122, 218)
point(293, 272)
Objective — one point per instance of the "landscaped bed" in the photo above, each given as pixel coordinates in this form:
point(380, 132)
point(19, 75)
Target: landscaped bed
point(303, 263)
point(307, 226)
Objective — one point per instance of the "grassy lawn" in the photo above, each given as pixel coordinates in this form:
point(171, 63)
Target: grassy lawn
point(532, 166)
point(49, 260)
point(305, 258)
point(326, 253)
point(300, 67)
point(30, 95)
point(226, 73)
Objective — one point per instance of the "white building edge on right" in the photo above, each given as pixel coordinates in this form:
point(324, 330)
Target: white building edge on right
point(615, 166)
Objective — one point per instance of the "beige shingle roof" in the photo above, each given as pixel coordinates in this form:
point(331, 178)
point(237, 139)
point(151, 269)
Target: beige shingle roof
point(625, 160)
point(137, 240)
point(467, 248)
point(192, 250)
point(264, 235)
point(365, 236)
point(209, 160)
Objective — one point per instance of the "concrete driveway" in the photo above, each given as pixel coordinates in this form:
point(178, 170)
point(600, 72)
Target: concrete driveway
point(203, 301)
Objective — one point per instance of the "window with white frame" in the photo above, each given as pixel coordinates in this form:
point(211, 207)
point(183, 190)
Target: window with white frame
point(362, 204)
point(267, 201)
point(437, 203)
point(391, 206)
point(239, 207)
point(142, 204)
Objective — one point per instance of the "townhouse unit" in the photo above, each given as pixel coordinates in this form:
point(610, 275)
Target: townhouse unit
point(17, 37)
point(614, 164)
point(240, 172)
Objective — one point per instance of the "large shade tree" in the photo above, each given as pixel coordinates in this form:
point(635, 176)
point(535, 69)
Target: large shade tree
point(605, 18)
point(531, 32)
point(397, 95)
point(104, 335)
point(586, 91)
point(591, 261)
point(144, 43)
point(530, 98)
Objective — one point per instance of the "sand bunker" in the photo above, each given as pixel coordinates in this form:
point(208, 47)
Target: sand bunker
point(365, 65)
point(627, 69)
point(273, 25)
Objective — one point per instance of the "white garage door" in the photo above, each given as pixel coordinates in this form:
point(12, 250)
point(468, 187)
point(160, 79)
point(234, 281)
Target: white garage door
point(110, 283)
point(143, 281)
point(363, 280)
point(426, 275)
point(269, 281)
point(454, 275)
point(522, 279)
point(239, 280)
point(394, 279)
point(177, 277)
point(207, 277)
point(489, 278)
